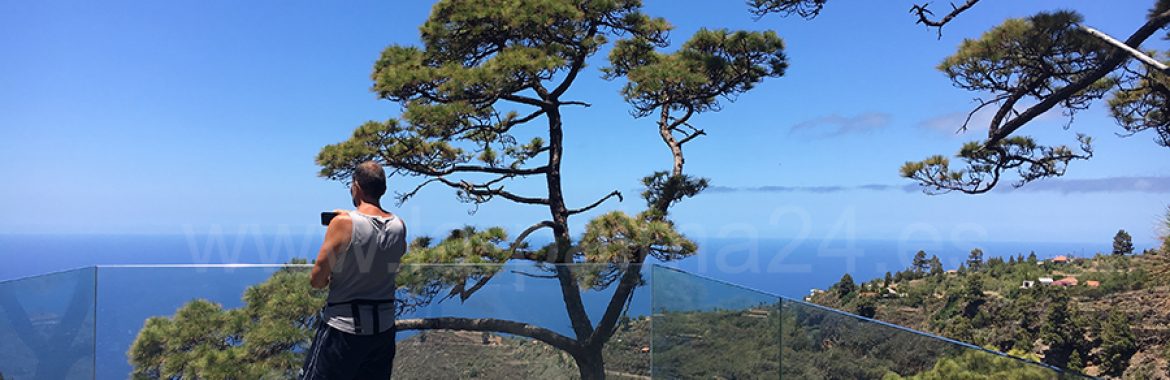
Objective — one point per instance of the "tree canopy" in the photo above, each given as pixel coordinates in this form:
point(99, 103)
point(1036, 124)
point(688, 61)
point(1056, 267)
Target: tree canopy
point(1122, 243)
point(712, 64)
point(204, 341)
point(487, 67)
point(1045, 61)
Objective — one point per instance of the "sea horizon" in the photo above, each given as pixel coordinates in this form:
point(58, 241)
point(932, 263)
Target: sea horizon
point(718, 257)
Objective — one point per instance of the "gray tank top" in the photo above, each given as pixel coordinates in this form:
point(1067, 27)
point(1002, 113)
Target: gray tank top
point(362, 281)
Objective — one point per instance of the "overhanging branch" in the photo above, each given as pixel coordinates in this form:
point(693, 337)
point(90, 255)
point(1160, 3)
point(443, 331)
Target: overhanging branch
point(491, 325)
point(524, 100)
point(528, 231)
point(923, 14)
point(1108, 65)
point(615, 193)
point(427, 171)
point(483, 192)
point(1137, 54)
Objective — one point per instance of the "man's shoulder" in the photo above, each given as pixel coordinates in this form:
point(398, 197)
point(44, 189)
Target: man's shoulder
point(341, 222)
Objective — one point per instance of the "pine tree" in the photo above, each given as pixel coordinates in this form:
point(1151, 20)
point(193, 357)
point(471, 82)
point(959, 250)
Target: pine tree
point(975, 259)
point(972, 295)
point(1075, 363)
point(1032, 258)
point(889, 279)
point(1060, 331)
point(1055, 65)
point(1076, 69)
point(484, 99)
point(275, 320)
point(676, 86)
point(1118, 343)
point(936, 267)
point(1165, 227)
point(1122, 243)
point(846, 286)
point(920, 265)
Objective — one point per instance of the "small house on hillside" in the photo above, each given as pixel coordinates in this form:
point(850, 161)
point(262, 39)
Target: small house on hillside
point(1045, 280)
point(1067, 281)
point(1060, 259)
point(1093, 284)
point(1028, 284)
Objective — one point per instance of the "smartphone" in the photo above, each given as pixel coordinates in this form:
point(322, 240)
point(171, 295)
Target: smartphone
point(327, 217)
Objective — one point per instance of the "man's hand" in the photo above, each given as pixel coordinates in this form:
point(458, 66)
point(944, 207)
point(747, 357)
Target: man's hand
point(337, 238)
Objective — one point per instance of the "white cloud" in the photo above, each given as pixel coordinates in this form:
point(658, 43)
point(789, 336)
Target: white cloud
point(838, 125)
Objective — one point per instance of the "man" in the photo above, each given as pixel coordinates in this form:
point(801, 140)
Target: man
point(358, 262)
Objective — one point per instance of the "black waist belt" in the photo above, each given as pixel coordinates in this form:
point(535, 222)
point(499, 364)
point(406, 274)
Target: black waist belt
point(357, 316)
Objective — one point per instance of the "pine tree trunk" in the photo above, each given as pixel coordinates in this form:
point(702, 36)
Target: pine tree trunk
point(590, 365)
point(668, 138)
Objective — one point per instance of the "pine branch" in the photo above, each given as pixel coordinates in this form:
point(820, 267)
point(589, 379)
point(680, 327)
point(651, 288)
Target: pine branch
point(615, 193)
point(492, 325)
point(923, 13)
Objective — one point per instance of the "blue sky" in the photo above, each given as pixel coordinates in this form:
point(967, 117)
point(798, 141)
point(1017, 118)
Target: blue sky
point(171, 117)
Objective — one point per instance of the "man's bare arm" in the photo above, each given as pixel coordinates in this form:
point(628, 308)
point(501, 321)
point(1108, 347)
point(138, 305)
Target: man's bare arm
point(337, 237)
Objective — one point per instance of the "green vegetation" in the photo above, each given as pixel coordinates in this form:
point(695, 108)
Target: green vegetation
point(976, 365)
point(936, 266)
point(442, 354)
point(1062, 335)
point(732, 344)
point(845, 287)
point(1118, 343)
point(259, 340)
point(1109, 322)
point(1122, 243)
point(1166, 232)
point(975, 260)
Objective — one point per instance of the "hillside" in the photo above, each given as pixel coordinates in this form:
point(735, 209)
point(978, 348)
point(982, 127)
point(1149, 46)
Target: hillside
point(1106, 315)
point(472, 355)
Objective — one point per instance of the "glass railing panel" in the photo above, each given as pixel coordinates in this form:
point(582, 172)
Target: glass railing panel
point(256, 322)
point(550, 299)
point(47, 326)
point(191, 304)
point(704, 328)
point(828, 344)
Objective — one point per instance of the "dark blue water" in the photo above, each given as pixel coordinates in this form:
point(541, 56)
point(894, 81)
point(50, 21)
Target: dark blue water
point(784, 267)
point(127, 296)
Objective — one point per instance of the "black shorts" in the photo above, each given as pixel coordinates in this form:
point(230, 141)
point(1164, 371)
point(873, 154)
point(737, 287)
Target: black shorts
point(338, 355)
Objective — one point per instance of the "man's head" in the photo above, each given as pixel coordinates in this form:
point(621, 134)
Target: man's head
point(369, 183)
